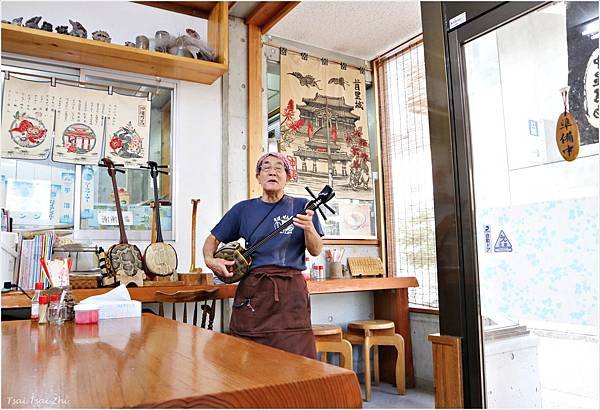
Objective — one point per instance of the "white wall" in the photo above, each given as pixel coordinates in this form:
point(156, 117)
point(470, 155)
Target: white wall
point(197, 163)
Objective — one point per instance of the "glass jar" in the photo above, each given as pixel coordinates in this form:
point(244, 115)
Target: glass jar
point(57, 311)
point(69, 303)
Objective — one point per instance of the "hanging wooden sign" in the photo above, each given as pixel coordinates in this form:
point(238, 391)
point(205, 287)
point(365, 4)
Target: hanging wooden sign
point(567, 132)
point(567, 136)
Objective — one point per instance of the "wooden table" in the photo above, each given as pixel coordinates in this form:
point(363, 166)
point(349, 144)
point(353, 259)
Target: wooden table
point(156, 362)
point(390, 303)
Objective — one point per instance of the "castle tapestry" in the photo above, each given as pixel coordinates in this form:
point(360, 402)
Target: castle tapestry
point(324, 126)
point(324, 131)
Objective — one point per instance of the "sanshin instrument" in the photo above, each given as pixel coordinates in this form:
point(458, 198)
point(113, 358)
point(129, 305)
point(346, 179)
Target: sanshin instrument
point(233, 251)
point(124, 260)
point(160, 258)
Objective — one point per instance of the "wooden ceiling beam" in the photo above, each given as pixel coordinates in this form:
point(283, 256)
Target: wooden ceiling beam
point(266, 14)
point(200, 9)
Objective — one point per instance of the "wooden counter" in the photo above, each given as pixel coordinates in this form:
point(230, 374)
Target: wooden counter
point(15, 300)
point(390, 303)
point(151, 361)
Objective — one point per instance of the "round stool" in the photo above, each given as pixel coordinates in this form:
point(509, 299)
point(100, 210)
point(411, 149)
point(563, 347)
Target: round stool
point(376, 333)
point(328, 338)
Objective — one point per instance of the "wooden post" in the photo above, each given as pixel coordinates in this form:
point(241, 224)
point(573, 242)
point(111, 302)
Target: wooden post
point(218, 31)
point(255, 125)
point(447, 371)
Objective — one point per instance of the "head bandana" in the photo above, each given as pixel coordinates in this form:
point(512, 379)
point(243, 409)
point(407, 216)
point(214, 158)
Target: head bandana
point(283, 158)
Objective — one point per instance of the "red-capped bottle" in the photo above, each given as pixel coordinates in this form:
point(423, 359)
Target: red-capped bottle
point(43, 318)
point(35, 301)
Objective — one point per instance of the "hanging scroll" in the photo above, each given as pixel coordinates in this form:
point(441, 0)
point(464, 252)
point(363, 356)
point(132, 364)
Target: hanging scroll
point(128, 130)
point(324, 133)
point(27, 119)
point(79, 124)
point(583, 57)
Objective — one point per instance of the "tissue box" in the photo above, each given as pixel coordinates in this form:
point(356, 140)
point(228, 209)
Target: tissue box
point(114, 309)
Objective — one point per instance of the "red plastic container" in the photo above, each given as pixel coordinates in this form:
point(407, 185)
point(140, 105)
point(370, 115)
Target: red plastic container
point(86, 313)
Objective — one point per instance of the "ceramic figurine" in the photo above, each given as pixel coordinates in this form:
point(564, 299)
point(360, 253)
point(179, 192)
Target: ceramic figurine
point(78, 29)
point(101, 35)
point(18, 21)
point(162, 40)
point(202, 50)
point(129, 44)
point(47, 26)
point(142, 42)
point(181, 48)
point(33, 22)
point(62, 29)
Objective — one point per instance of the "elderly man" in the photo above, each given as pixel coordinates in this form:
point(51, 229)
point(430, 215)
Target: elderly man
point(271, 304)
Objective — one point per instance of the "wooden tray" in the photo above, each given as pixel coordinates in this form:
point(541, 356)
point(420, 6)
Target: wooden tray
point(365, 266)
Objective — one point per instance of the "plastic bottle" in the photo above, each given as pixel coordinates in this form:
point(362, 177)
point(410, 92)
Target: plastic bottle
point(321, 272)
point(43, 317)
point(306, 271)
point(35, 301)
point(56, 310)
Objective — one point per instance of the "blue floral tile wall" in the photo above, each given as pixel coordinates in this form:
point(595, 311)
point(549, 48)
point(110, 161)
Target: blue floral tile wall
point(545, 265)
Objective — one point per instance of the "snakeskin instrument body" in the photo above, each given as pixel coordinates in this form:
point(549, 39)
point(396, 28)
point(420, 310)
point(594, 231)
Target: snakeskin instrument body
point(160, 259)
point(233, 251)
point(125, 259)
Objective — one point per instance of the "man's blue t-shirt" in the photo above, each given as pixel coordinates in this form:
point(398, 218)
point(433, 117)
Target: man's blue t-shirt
point(253, 219)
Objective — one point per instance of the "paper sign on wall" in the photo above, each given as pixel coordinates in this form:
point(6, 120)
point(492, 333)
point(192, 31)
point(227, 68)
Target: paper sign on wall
point(79, 124)
point(128, 130)
point(27, 119)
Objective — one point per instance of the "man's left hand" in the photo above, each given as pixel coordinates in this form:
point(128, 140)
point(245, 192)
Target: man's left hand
point(305, 221)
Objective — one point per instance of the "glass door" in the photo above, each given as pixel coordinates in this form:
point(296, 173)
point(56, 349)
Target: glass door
point(534, 216)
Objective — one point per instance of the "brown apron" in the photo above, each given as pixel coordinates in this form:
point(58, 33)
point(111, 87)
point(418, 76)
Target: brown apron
point(272, 307)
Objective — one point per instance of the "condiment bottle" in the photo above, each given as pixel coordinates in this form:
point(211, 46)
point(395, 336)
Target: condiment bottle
point(56, 310)
point(35, 301)
point(43, 317)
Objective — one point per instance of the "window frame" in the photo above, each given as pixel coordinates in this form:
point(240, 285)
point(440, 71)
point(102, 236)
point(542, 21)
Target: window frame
point(391, 231)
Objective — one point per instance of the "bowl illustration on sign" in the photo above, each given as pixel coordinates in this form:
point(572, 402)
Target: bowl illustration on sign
point(126, 142)
point(79, 138)
point(355, 219)
point(27, 132)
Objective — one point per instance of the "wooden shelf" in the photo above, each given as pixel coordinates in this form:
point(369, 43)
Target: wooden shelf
point(15, 300)
point(43, 44)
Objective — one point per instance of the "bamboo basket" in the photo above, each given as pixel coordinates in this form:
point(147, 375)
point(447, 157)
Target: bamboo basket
point(365, 266)
point(84, 281)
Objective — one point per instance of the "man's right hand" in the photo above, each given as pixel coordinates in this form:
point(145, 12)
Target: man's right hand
point(219, 266)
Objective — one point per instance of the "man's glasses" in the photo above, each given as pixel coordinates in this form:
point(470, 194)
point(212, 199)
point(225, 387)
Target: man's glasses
point(268, 168)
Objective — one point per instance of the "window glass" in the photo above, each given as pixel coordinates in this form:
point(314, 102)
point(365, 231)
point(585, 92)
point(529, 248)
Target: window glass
point(403, 107)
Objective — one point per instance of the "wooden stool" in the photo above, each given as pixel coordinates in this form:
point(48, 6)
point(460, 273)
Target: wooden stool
point(329, 339)
point(375, 333)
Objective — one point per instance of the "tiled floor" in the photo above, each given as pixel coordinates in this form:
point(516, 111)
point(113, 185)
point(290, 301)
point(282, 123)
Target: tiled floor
point(385, 396)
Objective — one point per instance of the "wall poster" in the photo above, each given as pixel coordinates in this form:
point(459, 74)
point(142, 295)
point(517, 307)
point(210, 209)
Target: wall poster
point(71, 121)
point(128, 130)
point(324, 133)
point(79, 124)
point(584, 78)
point(27, 119)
